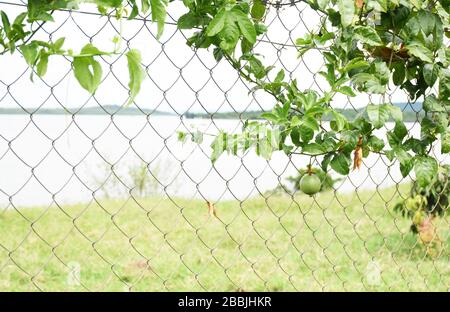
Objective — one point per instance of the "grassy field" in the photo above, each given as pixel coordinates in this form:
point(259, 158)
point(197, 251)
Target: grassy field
point(281, 243)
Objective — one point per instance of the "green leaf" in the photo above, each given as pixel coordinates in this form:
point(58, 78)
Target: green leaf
point(347, 91)
point(218, 146)
point(230, 36)
point(87, 70)
point(145, 4)
point(315, 111)
point(341, 164)
point(310, 122)
point(442, 121)
point(390, 155)
point(426, 168)
point(339, 120)
point(5, 22)
point(350, 140)
point(356, 64)
point(446, 5)
point(255, 66)
point(313, 149)
point(416, 145)
point(430, 74)
point(217, 23)
point(42, 65)
point(30, 53)
point(218, 54)
point(369, 83)
point(197, 137)
point(376, 143)
point(367, 35)
point(378, 114)
point(308, 99)
point(188, 21)
point(432, 104)
point(427, 128)
point(402, 155)
point(159, 14)
point(382, 72)
point(425, 27)
point(323, 3)
point(270, 117)
point(280, 76)
point(181, 136)
point(245, 25)
point(134, 10)
point(420, 51)
point(400, 131)
point(444, 84)
point(406, 167)
point(37, 10)
point(20, 18)
point(136, 73)
point(264, 147)
point(295, 121)
point(445, 142)
point(377, 5)
point(347, 11)
point(325, 162)
point(396, 113)
point(90, 50)
point(306, 134)
point(399, 74)
point(295, 136)
point(104, 3)
point(57, 45)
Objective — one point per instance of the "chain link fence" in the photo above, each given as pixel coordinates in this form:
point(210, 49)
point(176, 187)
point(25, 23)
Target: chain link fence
point(103, 197)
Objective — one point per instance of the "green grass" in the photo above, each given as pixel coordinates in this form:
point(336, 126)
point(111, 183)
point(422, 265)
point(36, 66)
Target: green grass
point(274, 244)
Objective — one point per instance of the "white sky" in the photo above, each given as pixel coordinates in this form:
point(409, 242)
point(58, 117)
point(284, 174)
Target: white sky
point(202, 85)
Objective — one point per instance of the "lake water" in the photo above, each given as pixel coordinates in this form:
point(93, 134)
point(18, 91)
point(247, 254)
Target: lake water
point(46, 158)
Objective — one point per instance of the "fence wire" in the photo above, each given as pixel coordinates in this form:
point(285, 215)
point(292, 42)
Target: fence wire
point(99, 196)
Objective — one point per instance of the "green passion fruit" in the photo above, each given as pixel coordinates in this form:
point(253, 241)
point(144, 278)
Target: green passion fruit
point(310, 184)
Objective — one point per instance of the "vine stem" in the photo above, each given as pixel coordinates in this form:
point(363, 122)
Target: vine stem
point(237, 66)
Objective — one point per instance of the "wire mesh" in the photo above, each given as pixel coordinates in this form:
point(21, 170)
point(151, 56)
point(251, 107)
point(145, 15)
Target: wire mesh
point(97, 196)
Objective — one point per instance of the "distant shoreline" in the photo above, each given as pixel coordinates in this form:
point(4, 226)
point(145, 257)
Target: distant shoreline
point(410, 113)
point(99, 110)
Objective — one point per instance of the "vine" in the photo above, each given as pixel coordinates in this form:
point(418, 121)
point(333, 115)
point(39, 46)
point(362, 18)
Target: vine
point(368, 45)
point(405, 47)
